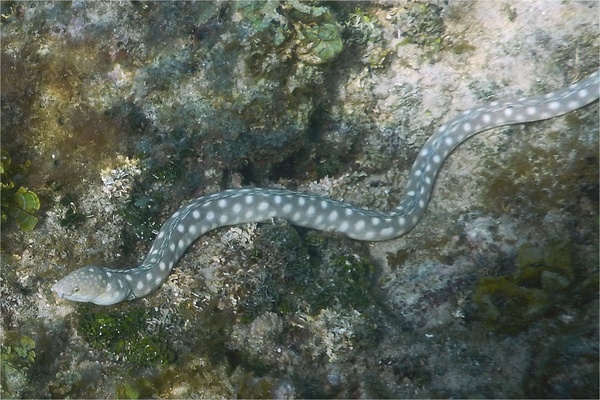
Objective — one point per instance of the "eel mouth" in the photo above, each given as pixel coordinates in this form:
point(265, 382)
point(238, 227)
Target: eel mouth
point(56, 289)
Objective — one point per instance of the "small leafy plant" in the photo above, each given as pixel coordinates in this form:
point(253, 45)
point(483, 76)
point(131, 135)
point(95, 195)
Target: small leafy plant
point(17, 356)
point(20, 204)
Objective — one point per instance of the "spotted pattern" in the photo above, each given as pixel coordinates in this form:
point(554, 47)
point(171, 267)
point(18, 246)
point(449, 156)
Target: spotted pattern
point(104, 286)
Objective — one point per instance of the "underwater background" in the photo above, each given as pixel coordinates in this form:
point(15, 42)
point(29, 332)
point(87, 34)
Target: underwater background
point(113, 114)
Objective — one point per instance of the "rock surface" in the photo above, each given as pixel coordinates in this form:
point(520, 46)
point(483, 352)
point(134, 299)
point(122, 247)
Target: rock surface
point(126, 109)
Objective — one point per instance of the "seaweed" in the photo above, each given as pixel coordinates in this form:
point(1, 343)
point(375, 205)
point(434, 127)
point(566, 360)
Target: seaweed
point(544, 283)
point(126, 335)
point(16, 359)
point(19, 204)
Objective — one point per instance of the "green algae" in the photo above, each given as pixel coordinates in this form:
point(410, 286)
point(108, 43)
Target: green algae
point(127, 391)
point(143, 212)
point(72, 218)
point(354, 275)
point(508, 307)
point(423, 26)
point(318, 44)
point(310, 32)
point(283, 261)
point(364, 30)
point(543, 284)
point(20, 204)
point(347, 277)
point(142, 215)
point(189, 376)
point(16, 361)
point(528, 181)
point(317, 34)
point(126, 335)
point(301, 274)
point(18, 351)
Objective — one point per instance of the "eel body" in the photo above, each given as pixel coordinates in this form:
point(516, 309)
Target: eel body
point(106, 286)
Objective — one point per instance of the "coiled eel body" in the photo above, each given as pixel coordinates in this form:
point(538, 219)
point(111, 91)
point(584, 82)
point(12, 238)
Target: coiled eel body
point(105, 286)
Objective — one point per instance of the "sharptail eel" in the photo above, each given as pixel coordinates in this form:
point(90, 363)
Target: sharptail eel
point(106, 286)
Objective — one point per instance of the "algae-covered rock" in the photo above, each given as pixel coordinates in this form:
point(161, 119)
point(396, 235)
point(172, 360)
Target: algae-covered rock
point(541, 286)
point(127, 336)
point(17, 358)
point(127, 110)
point(422, 25)
point(318, 44)
point(20, 204)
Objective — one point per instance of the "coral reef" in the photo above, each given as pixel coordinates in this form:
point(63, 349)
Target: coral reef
point(125, 110)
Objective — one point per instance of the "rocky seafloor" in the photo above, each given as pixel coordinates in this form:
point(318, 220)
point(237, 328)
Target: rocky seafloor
point(114, 114)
